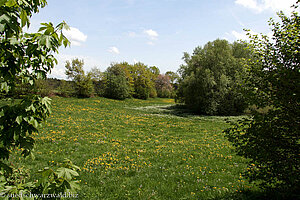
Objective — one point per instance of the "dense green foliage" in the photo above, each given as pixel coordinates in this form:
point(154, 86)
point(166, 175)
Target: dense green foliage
point(116, 85)
point(271, 140)
point(24, 58)
point(210, 77)
point(83, 82)
point(123, 80)
point(144, 87)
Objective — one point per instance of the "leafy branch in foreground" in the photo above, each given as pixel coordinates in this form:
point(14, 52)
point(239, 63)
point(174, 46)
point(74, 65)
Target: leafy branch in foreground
point(26, 58)
point(271, 140)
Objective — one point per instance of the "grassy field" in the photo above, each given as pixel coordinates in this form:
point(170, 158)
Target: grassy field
point(140, 149)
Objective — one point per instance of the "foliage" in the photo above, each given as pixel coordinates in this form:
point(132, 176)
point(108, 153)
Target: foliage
point(144, 86)
point(43, 88)
point(174, 77)
point(24, 59)
point(98, 81)
point(271, 140)
point(116, 84)
point(28, 57)
point(163, 86)
point(136, 81)
point(83, 82)
point(210, 79)
point(66, 89)
point(55, 183)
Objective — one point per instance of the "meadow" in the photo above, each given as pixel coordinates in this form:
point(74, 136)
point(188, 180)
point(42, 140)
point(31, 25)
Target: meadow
point(140, 149)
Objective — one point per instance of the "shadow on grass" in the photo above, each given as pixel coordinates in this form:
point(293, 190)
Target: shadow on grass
point(257, 195)
point(178, 110)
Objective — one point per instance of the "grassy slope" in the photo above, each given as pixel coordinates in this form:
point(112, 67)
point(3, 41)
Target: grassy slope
point(138, 149)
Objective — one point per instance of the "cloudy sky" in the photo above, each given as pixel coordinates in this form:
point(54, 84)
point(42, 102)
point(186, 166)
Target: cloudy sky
point(155, 32)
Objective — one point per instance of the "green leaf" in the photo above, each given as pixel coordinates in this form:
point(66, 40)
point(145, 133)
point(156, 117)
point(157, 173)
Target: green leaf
point(33, 122)
point(74, 185)
point(31, 107)
point(19, 119)
point(2, 27)
point(66, 173)
point(24, 18)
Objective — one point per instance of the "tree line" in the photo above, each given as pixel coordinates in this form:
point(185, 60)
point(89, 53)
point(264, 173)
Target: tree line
point(119, 81)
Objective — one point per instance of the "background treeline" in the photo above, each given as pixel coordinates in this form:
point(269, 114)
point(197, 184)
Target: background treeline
point(118, 81)
point(208, 83)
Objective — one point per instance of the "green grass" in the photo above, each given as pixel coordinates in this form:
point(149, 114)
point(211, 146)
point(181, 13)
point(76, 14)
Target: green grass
point(137, 149)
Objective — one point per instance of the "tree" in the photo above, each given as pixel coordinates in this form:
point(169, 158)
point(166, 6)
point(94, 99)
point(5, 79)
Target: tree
point(98, 81)
point(209, 78)
point(144, 86)
point(83, 82)
point(96, 74)
point(173, 77)
point(271, 140)
point(116, 84)
point(25, 57)
point(163, 86)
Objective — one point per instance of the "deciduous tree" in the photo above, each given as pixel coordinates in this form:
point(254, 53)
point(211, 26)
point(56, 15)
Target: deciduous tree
point(271, 140)
point(83, 81)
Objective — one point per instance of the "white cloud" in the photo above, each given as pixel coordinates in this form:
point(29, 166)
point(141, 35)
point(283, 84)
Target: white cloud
point(75, 36)
point(114, 50)
point(262, 5)
point(151, 34)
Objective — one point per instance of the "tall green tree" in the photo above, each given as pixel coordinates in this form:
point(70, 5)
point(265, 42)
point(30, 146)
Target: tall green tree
point(271, 140)
point(83, 81)
point(209, 78)
point(144, 85)
point(116, 83)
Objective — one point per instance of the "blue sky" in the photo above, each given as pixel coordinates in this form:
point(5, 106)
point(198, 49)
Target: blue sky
point(155, 32)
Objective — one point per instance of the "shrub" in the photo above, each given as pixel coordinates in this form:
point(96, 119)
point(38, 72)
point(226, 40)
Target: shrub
point(270, 139)
point(66, 89)
point(210, 77)
point(116, 86)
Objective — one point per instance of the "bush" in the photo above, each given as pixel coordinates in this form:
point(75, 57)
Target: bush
point(66, 89)
point(209, 80)
point(50, 182)
point(270, 139)
point(43, 88)
point(116, 86)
